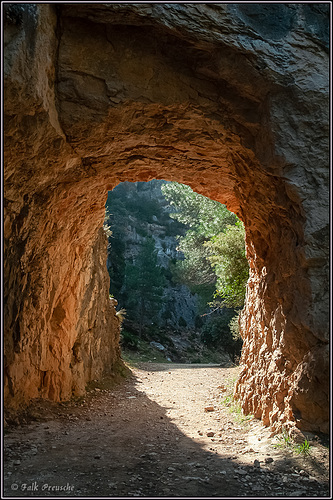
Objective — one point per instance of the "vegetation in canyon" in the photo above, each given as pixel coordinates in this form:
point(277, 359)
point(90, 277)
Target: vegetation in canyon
point(177, 265)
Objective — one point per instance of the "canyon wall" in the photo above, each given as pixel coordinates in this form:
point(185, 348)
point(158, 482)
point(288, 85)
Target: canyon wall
point(231, 99)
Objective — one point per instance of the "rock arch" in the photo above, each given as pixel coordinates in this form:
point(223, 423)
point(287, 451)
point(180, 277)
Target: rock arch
point(201, 94)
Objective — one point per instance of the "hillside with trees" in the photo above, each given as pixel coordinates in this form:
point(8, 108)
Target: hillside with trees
point(177, 266)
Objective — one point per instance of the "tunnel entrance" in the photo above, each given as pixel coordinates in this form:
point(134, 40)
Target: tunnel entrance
point(178, 271)
point(206, 112)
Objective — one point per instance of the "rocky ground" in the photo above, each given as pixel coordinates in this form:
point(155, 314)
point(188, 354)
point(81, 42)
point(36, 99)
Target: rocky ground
point(168, 430)
point(178, 346)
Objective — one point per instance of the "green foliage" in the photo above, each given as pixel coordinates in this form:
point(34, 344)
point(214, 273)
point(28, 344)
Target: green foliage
point(303, 448)
point(115, 206)
point(142, 231)
point(204, 216)
point(143, 353)
point(145, 211)
point(217, 332)
point(205, 293)
point(195, 269)
point(129, 340)
point(196, 360)
point(234, 328)
point(213, 246)
point(120, 203)
point(234, 406)
point(198, 322)
point(230, 264)
point(124, 208)
point(285, 441)
point(166, 314)
point(117, 265)
point(145, 281)
point(211, 240)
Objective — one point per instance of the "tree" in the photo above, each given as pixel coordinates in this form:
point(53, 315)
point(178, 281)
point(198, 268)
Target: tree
point(230, 264)
point(199, 213)
point(145, 281)
point(203, 218)
point(195, 269)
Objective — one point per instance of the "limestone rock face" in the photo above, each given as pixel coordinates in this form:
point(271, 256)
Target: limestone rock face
point(231, 99)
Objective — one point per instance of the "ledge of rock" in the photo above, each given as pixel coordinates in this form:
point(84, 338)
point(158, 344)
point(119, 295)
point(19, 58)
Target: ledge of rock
point(231, 99)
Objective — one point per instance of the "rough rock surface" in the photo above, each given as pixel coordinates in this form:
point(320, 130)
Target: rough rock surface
point(231, 99)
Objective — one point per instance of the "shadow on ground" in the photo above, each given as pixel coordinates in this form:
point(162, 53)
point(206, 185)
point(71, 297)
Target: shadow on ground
point(121, 443)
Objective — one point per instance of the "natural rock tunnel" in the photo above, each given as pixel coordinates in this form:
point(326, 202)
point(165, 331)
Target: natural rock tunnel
point(231, 99)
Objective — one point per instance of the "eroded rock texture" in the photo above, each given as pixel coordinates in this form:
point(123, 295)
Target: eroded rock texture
point(231, 99)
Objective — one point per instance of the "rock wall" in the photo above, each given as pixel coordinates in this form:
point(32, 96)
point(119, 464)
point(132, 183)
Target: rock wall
point(231, 99)
point(60, 328)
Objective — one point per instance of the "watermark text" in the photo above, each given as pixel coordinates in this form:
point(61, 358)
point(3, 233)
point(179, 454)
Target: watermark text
point(34, 486)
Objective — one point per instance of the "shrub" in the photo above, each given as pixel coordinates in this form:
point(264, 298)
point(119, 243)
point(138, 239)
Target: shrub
point(234, 328)
point(129, 340)
point(217, 332)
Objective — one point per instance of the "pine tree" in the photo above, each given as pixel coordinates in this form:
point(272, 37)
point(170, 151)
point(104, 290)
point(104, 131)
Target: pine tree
point(145, 281)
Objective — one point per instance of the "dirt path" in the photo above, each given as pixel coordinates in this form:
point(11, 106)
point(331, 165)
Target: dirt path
point(151, 436)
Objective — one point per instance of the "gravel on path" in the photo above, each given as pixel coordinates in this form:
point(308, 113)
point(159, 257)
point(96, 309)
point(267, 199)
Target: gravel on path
point(166, 431)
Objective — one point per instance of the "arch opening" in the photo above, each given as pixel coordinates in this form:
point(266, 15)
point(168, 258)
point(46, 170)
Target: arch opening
point(166, 264)
point(87, 118)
